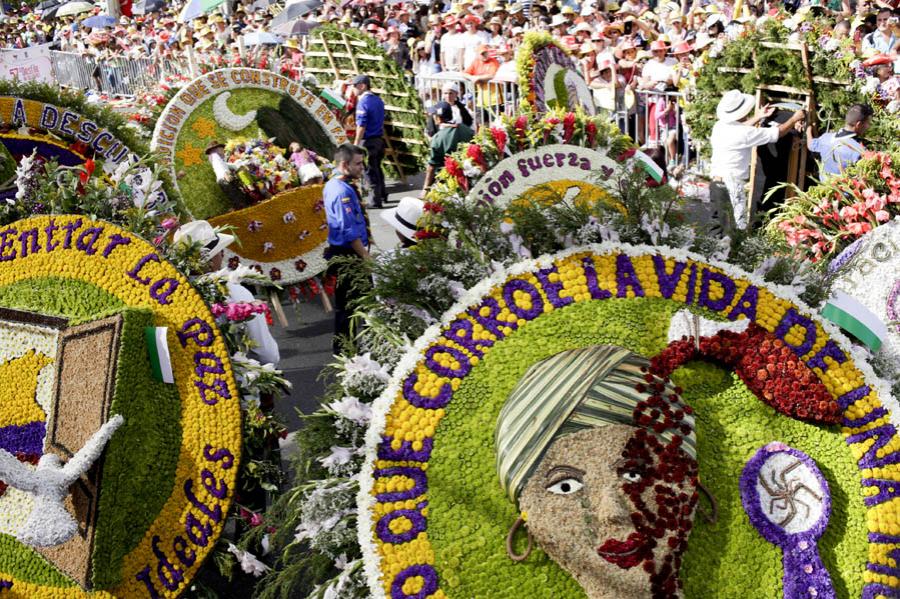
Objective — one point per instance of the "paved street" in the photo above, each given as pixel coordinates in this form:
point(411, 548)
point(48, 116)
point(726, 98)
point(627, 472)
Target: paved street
point(306, 343)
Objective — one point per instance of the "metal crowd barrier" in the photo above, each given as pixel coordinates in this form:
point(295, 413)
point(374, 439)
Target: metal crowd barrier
point(485, 102)
point(116, 76)
point(646, 126)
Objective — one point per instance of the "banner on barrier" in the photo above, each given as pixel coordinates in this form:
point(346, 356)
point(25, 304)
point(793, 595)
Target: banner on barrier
point(27, 64)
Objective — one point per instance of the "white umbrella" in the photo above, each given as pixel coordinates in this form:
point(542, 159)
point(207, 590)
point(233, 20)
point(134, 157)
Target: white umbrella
point(74, 8)
point(261, 38)
point(196, 8)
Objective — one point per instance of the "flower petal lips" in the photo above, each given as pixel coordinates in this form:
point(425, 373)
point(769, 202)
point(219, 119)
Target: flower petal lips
point(625, 554)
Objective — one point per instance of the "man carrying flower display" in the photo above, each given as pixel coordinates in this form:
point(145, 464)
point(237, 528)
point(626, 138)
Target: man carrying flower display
point(733, 138)
point(844, 148)
point(347, 232)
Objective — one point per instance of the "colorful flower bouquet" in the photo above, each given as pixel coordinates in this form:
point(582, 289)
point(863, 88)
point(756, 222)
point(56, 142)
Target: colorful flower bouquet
point(820, 222)
point(262, 167)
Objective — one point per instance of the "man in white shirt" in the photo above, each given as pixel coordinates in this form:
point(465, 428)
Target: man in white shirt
point(225, 176)
point(213, 244)
point(733, 140)
point(471, 40)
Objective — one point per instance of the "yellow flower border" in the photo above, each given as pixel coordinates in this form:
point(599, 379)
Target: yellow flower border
point(129, 268)
point(395, 476)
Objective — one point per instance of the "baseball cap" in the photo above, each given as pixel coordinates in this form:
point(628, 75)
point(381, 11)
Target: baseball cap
point(443, 110)
point(362, 79)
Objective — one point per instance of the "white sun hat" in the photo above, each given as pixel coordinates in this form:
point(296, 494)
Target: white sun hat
point(404, 217)
point(734, 106)
point(200, 231)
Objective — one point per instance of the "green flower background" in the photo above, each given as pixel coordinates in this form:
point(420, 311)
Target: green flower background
point(469, 515)
point(278, 116)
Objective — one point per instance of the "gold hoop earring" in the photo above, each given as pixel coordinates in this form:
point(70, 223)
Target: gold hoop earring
point(714, 516)
point(509, 541)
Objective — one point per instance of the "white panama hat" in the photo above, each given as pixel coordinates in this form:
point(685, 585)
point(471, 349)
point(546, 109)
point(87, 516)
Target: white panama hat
point(200, 231)
point(404, 217)
point(734, 106)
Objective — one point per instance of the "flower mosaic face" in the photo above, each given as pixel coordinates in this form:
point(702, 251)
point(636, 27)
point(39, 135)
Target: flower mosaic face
point(606, 508)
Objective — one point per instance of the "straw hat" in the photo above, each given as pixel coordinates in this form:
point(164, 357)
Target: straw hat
point(682, 48)
point(404, 217)
point(200, 231)
point(658, 45)
point(734, 106)
point(587, 48)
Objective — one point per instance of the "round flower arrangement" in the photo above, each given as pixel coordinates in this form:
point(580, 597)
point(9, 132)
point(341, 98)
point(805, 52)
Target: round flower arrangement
point(432, 512)
point(282, 238)
point(550, 78)
point(169, 475)
point(869, 271)
point(531, 157)
point(239, 103)
point(60, 133)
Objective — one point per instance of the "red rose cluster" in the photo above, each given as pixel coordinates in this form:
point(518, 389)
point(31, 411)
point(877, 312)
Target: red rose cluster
point(765, 364)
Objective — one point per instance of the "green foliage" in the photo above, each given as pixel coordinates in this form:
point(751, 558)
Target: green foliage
point(142, 457)
point(405, 113)
point(291, 122)
point(780, 66)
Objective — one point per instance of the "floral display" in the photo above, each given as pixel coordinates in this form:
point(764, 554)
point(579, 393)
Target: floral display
point(535, 156)
point(550, 78)
point(282, 238)
point(216, 107)
point(868, 271)
point(48, 131)
point(183, 508)
point(336, 54)
point(406, 510)
point(262, 167)
point(826, 218)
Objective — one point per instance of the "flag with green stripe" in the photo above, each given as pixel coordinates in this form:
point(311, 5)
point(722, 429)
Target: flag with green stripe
point(158, 351)
point(649, 166)
point(854, 318)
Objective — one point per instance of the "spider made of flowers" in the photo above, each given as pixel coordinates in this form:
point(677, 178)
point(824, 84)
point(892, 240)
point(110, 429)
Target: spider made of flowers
point(600, 457)
point(783, 492)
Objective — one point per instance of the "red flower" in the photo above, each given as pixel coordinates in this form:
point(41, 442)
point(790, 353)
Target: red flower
point(591, 129)
point(520, 128)
point(568, 126)
point(425, 234)
point(88, 170)
point(476, 154)
point(455, 170)
point(499, 137)
point(626, 155)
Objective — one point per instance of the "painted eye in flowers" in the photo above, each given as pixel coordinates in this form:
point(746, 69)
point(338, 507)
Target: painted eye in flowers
point(566, 485)
point(632, 476)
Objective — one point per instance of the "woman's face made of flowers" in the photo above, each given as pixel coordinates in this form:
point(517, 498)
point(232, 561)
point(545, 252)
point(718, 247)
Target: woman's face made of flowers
point(613, 506)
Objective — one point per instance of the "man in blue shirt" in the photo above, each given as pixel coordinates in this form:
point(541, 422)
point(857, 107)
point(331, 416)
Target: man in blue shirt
point(844, 148)
point(370, 135)
point(347, 233)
